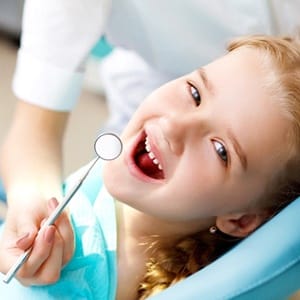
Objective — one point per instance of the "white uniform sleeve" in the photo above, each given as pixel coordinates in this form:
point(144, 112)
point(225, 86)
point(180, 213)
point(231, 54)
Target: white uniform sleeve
point(57, 36)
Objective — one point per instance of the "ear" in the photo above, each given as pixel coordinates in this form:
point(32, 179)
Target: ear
point(240, 224)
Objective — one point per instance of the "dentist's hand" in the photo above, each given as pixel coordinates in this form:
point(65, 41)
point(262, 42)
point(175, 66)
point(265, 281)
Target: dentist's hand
point(52, 247)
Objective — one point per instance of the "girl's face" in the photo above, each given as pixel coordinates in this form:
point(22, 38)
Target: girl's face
point(203, 145)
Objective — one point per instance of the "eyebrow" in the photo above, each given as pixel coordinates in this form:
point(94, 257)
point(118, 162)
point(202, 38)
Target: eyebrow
point(207, 83)
point(238, 149)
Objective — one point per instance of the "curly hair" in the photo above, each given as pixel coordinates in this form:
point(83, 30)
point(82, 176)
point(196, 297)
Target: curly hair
point(192, 253)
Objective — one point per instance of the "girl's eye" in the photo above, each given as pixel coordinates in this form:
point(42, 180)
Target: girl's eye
point(221, 151)
point(195, 94)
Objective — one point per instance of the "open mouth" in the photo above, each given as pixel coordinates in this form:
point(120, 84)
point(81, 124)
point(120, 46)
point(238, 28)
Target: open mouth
point(146, 161)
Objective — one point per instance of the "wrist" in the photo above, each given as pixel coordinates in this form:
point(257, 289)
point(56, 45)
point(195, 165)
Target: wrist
point(32, 192)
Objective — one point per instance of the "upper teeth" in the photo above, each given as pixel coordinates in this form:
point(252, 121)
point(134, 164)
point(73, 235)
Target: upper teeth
point(151, 154)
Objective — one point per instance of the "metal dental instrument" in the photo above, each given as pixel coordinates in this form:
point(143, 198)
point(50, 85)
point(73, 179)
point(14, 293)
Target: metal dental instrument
point(108, 146)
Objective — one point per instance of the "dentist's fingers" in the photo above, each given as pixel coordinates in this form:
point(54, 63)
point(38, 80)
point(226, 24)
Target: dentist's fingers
point(52, 248)
point(40, 251)
point(64, 227)
point(49, 272)
point(45, 261)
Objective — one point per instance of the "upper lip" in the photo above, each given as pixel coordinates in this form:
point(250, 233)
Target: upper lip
point(154, 140)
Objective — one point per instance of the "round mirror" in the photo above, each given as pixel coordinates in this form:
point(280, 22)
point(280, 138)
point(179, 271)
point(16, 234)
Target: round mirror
point(108, 146)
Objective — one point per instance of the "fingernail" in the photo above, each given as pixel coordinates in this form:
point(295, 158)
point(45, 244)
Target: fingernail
point(22, 238)
point(52, 203)
point(49, 234)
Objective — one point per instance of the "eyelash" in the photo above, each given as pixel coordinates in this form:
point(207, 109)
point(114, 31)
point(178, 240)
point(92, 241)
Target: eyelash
point(220, 149)
point(195, 94)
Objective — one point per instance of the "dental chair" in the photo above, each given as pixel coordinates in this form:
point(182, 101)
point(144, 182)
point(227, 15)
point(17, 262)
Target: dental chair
point(264, 266)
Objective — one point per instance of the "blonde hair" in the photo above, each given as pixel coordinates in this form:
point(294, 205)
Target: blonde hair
point(281, 57)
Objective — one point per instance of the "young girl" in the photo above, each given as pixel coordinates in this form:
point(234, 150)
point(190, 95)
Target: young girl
point(207, 159)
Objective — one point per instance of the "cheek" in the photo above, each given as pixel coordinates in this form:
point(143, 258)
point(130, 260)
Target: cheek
point(185, 204)
point(199, 167)
point(197, 178)
point(112, 178)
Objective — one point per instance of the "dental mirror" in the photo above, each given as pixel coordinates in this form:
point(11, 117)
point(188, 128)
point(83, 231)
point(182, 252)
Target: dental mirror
point(108, 146)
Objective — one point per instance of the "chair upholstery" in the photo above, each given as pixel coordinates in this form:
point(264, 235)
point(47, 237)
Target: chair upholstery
point(266, 265)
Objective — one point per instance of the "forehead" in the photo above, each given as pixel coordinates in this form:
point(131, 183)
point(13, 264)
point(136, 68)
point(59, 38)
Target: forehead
point(245, 105)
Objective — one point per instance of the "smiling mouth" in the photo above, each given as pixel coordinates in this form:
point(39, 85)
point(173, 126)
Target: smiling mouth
point(146, 161)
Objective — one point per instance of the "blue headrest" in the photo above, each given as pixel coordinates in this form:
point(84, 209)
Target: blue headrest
point(266, 265)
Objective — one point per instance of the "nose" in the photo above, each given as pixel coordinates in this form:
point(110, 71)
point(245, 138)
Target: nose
point(178, 129)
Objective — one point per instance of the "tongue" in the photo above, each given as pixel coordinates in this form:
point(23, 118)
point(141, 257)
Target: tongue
point(147, 166)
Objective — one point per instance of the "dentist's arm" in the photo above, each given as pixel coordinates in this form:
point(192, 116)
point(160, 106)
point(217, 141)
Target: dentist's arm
point(31, 160)
point(57, 36)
